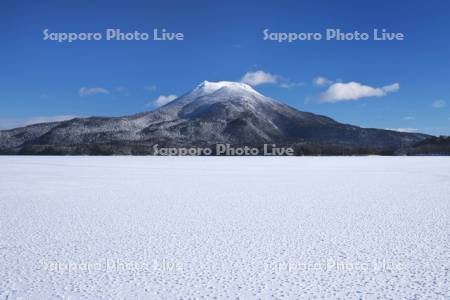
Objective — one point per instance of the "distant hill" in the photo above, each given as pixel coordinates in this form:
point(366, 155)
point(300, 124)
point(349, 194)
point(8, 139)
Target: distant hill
point(430, 146)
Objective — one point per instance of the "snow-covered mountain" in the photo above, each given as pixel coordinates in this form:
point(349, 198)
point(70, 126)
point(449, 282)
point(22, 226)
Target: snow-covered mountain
point(213, 112)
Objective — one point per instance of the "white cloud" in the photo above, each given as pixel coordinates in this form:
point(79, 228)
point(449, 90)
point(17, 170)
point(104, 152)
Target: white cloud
point(403, 129)
point(439, 103)
point(14, 123)
point(150, 88)
point(408, 118)
point(392, 88)
point(353, 91)
point(322, 81)
point(163, 100)
point(258, 77)
point(85, 91)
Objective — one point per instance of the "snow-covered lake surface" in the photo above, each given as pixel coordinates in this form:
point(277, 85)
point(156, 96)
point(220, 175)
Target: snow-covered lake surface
point(224, 227)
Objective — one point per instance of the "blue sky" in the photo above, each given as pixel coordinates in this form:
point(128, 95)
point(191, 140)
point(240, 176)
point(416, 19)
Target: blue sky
point(383, 84)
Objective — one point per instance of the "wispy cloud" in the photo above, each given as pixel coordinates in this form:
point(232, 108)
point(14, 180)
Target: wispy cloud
point(163, 100)
point(123, 91)
point(351, 91)
point(322, 81)
point(409, 118)
point(151, 87)
point(439, 103)
point(86, 91)
point(16, 122)
point(287, 84)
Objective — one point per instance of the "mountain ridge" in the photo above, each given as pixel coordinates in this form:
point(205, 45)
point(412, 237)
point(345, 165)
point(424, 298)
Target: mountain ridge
point(212, 113)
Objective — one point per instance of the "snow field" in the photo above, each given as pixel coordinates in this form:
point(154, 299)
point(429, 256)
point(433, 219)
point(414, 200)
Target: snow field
point(224, 227)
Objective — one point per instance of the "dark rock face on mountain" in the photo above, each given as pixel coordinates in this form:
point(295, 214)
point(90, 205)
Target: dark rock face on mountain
point(222, 112)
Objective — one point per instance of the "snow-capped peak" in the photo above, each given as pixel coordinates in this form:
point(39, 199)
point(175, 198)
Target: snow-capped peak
point(207, 87)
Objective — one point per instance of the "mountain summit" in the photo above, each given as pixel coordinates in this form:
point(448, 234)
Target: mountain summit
point(213, 112)
point(207, 87)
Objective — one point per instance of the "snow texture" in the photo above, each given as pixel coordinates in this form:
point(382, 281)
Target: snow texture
point(207, 87)
point(224, 227)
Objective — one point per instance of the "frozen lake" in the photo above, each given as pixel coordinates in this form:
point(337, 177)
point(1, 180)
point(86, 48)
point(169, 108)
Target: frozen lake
point(224, 227)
